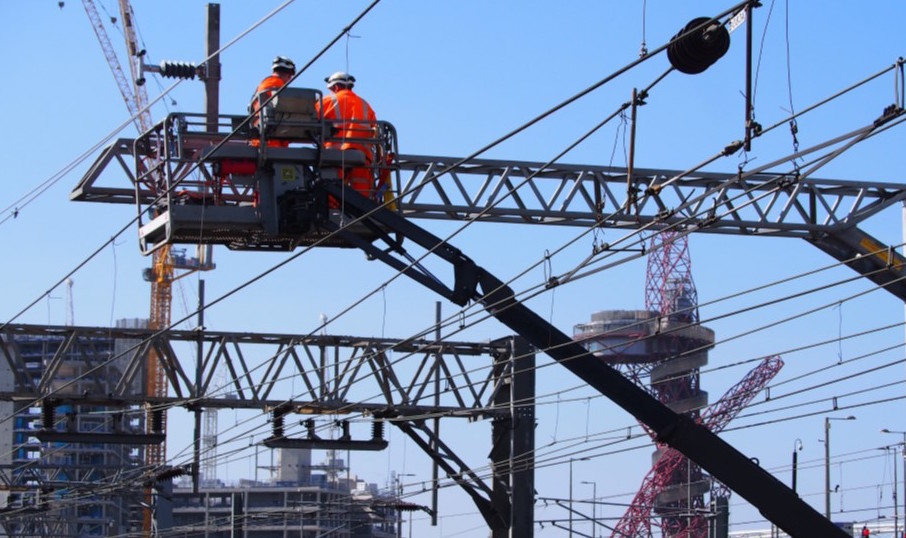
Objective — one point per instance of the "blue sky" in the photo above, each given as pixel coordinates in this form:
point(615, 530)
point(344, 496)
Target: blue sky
point(453, 76)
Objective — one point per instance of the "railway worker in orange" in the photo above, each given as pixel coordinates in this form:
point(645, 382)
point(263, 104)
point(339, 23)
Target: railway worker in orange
point(283, 70)
point(356, 125)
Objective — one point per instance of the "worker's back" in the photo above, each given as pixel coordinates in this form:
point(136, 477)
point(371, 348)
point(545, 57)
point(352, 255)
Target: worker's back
point(354, 119)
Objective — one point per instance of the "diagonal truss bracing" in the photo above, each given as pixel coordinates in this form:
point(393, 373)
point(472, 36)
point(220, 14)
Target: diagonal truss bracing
point(326, 372)
point(581, 195)
point(448, 188)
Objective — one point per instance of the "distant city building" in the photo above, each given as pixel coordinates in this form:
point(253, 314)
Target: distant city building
point(324, 504)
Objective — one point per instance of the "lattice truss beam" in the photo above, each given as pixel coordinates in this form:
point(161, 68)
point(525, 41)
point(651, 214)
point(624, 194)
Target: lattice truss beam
point(824, 212)
point(586, 195)
point(577, 195)
point(328, 372)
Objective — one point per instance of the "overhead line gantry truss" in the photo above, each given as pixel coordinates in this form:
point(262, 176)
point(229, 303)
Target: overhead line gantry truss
point(338, 375)
point(824, 212)
point(333, 370)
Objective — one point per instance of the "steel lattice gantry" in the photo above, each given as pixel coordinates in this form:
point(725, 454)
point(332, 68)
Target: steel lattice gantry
point(824, 212)
point(332, 374)
point(333, 370)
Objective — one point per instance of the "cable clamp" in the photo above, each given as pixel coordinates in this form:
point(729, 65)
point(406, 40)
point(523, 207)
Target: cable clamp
point(890, 112)
point(732, 147)
point(789, 181)
point(640, 98)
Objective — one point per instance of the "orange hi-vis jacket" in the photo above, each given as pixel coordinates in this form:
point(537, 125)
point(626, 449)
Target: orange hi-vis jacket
point(355, 121)
point(267, 86)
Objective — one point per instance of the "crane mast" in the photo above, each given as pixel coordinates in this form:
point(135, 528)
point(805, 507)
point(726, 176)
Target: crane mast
point(136, 99)
point(135, 54)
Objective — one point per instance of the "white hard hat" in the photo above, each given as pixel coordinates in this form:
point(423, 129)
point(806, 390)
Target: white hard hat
point(282, 62)
point(340, 78)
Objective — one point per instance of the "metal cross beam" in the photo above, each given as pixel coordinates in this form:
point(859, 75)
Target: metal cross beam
point(824, 212)
point(335, 372)
point(523, 192)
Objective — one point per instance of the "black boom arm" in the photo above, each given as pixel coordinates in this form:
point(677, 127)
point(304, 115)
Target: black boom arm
point(776, 502)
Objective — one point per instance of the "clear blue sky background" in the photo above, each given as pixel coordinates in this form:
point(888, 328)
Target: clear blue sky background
point(453, 76)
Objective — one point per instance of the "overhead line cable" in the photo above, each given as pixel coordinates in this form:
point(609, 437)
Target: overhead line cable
point(59, 175)
point(524, 126)
point(178, 322)
point(68, 168)
point(821, 411)
point(779, 300)
point(539, 262)
point(258, 277)
point(132, 221)
point(23, 201)
point(794, 116)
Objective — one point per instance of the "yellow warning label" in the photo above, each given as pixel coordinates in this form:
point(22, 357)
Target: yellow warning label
point(886, 255)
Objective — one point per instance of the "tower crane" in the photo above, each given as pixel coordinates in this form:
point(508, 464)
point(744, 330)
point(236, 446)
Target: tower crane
point(135, 96)
point(163, 264)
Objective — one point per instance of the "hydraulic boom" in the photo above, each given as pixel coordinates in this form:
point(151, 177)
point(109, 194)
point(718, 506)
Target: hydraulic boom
point(473, 283)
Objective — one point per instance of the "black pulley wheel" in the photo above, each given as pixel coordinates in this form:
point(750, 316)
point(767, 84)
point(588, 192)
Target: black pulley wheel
point(701, 46)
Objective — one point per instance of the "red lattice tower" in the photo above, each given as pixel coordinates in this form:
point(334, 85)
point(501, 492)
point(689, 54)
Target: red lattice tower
point(670, 291)
point(637, 521)
point(671, 295)
point(669, 288)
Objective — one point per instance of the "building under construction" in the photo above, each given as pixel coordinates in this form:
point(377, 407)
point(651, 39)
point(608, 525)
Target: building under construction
point(296, 503)
point(59, 456)
point(43, 471)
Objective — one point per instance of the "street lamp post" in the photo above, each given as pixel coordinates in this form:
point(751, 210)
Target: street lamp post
point(399, 511)
point(571, 460)
point(594, 505)
point(797, 447)
point(885, 430)
point(570, 498)
point(827, 486)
